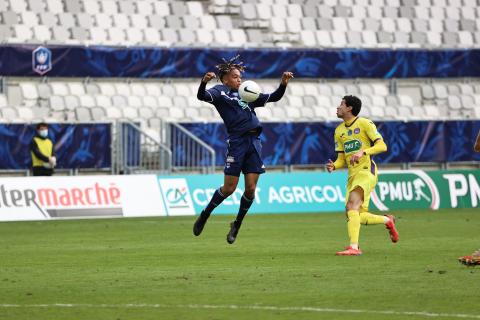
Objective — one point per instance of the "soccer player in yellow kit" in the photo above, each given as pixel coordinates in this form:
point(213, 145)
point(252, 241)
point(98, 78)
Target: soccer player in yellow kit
point(356, 141)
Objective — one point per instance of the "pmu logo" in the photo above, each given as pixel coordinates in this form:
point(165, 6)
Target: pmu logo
point(177, 197)
point(41, 60)
point(399, 189)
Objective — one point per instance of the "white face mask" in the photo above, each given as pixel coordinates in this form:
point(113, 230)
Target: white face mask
point(43, 133)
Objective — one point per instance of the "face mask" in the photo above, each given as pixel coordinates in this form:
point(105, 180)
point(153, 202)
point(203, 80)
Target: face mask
point(43, 133)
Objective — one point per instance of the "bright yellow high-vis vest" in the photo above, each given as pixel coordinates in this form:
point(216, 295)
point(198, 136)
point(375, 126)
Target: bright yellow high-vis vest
point(46, 147)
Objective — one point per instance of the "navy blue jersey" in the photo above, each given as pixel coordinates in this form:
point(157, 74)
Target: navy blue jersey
point(239, 117)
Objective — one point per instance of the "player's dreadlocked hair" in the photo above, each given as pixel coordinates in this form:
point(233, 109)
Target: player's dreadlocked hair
point(229, 65)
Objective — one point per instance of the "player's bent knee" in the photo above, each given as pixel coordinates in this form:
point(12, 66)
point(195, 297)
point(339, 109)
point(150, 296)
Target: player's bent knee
point(250, 192)
point(227, 191)
point(353, 205)
point(250, 196)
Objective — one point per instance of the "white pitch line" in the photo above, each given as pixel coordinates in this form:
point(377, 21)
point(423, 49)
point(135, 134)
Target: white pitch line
point(247, 307)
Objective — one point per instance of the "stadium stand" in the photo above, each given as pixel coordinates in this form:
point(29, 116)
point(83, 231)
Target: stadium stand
point(145, 101)
point(236, 23)
point(380, 24)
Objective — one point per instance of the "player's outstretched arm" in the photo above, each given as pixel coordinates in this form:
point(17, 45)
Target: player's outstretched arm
point(203, 85)
point(278, 94)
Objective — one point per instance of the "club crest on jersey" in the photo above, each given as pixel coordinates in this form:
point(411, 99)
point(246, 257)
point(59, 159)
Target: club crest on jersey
point(356, 130)
point(41, 60)
point(349, 132)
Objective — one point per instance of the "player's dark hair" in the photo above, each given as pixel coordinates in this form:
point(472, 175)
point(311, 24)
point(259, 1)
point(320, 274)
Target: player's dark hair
point(42, 124)
point(229, 65)
point(355, 103)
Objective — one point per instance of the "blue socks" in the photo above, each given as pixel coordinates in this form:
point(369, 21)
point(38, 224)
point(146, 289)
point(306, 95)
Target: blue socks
point(217, 198)
point(245, 204)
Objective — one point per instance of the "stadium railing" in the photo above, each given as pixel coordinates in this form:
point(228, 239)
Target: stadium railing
point(190, 154)
point(137, 151)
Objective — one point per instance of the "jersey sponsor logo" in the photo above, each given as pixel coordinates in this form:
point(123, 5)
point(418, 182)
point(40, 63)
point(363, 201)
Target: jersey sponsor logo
point(404, 189)
point(352, 146)
point(356, 130)
point(241, 103)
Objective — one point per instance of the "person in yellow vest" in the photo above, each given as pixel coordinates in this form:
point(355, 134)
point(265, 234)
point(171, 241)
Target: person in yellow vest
point(43, 155)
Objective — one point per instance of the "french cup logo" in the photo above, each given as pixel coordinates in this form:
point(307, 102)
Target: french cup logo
point(400, 189)
point(41, 60)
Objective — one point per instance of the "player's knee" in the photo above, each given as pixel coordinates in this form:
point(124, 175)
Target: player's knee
point(250, 192)
point(227, 190)
point(353, 205)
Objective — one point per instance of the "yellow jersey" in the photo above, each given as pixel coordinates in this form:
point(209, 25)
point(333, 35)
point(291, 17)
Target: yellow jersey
point(353, 136)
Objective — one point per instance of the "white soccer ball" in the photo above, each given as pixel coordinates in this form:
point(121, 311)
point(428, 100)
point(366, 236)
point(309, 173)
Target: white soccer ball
point(249, 91)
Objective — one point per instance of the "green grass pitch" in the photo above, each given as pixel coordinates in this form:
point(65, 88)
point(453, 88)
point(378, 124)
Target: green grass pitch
point(281, 267)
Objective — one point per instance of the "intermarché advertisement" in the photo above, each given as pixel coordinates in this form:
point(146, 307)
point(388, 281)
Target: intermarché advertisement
point(41, 198)
point(44, 198)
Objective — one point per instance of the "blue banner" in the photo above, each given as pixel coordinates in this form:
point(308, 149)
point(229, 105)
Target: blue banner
point(76, 146)
point(298, 143)
point(141, 62)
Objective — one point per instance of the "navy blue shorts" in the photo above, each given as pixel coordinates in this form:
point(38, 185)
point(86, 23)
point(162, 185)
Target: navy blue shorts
point(244, 155)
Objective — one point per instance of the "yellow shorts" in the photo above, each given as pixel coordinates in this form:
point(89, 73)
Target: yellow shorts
point(367, 181)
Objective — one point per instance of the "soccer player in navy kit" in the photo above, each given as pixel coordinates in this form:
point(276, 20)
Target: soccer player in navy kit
point(243, 143)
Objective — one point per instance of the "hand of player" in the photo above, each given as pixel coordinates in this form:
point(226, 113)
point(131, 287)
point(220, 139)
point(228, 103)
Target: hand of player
point(330, 166)
point(208, 76)
point(287, 75)
point(356, 157)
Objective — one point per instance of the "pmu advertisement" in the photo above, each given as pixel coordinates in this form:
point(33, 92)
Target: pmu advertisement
point(417, 189)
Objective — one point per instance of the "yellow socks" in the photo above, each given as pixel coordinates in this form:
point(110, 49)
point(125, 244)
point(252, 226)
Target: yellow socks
point(353, 226)
point(368, 218)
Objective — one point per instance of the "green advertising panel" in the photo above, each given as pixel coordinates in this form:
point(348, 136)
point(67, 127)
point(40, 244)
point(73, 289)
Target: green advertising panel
point(417, 189)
